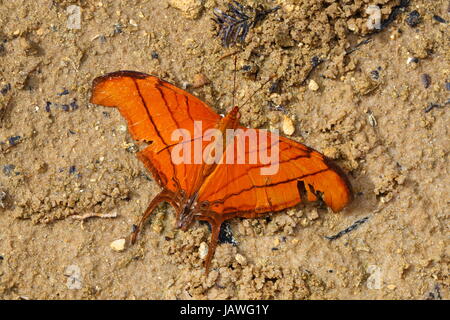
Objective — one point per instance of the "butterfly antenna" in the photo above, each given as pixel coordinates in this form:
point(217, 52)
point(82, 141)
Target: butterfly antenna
point(234, 79)
point(260, 87)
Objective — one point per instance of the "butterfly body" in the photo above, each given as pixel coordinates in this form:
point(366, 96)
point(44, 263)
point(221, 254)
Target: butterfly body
point(215, 169)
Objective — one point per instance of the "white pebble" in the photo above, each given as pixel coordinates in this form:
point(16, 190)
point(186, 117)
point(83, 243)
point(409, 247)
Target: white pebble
point(203, 250)
point(133, 23)
point(118, 245)
point(241, 259)
point(288, 126)
point(374, 20)
point(313, 85)
point(409, 60)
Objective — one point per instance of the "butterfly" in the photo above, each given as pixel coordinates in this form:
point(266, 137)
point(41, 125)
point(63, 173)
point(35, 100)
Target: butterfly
point(211, 168)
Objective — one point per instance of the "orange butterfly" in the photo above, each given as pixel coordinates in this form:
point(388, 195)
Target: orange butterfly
point(215, 191)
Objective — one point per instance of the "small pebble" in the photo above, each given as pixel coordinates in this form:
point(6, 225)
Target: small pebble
point(203, 250)
point(132, 148)
point(199, 80)
point(313, 214)
point(117, 28)
point(118, 245)
point(241, 259)
point(190, 8)
point(372, 120)
point(374, 74)
point(413, 19)
point(412, 60)
point(313, 85)
point(447, 86)
point(133, 23)
point(155, 55)
point(288, 126)
point(2, 205)
point(391, 286)
point(426, 80)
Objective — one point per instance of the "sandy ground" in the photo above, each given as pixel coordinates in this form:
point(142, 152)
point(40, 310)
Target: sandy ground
point(62, 157)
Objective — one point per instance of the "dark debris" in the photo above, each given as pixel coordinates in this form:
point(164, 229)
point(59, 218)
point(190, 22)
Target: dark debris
point(347, 230)
point(431, 106)
point(235, 23)
point(439, 19)
point(14, 140)
point(426, 80)
point(413, 19)
point(435, 294)
point(8, 169)
point(226, 234)
point(275, 87)
point(5, 88)
point(315, 61)
point(47, 106)
point(394, 13)
point(414, 60)
point(375, 74)
point(117, 28)
point(273, 107)
point(72, 169)
point(74, 105)
point(63, 93)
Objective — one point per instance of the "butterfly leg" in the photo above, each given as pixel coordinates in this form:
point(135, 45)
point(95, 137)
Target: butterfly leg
point(161, 197)
point(215, 230)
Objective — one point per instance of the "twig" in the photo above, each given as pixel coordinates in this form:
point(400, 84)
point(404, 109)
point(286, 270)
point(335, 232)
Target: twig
point(93, 215)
